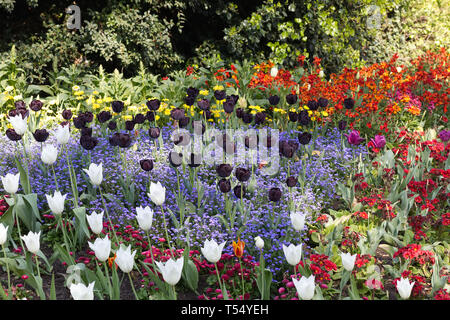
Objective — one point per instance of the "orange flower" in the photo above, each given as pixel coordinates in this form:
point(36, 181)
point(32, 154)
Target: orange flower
point(111, 260)
point(238, 248)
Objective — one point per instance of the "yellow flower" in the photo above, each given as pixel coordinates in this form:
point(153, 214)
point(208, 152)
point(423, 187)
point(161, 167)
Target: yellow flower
point(95, 92)
point(305, 107)
point(132, 108)
point(157, 117)
point(218, 87)
point(127, 117)
point(79, 98)
point(78, 93)
point(108, 99)
point(204, 92)
point(167, 112)
point(95, 106)
point(325, 114)
point(99, 100)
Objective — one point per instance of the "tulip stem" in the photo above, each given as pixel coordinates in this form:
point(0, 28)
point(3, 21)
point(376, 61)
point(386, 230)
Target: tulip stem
point(242, 277)
point(109, 281)
point(61, 223)
point(18, 223)
point(37, 265)
point(218, 277)
point(132, 286)
point(54, 177)
point(7, 271)
point(107, 214)
point(167, 234)
point(73, 179)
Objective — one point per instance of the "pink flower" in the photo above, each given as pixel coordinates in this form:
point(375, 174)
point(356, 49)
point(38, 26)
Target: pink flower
point(373, 284)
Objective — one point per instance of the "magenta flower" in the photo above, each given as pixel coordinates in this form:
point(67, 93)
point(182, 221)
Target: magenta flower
point(354, 138)
point(444, 135)
point(379, 141)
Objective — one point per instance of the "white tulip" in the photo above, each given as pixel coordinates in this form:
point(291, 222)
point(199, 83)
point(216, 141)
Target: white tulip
point(348, 261)
point(95, 173)
point(144, 217)
point(293, 254)
point(171, 270)
point(56, 203)
point(321, 74)
point(49, 154)
point(404, 287)
point(259, 242)
point(3, 234)
point(157, 193)
point(32, 241)
point(62, 134)
point(125, 259)
point(305, 287)
point(273, 72)
point(298, 220)
point(95, 221)
point(11, 183)
point(81, 292)
point(19, 124)
point(102, 248)
point(212, 251)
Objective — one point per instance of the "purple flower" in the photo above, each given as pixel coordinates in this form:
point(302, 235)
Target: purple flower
point(379, 141)
point(444, 135)
point(354, 138)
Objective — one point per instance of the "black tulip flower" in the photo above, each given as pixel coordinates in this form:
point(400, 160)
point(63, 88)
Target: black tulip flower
point(233, 99)
point(239, 113)
point(195, 160)
point(203, 104)
point(88, 142)
point(304, 118)
point(228, 107)
point(247, 117)
point(291, 98)
point(154, 132)
point(274, 100)
point(129, 125)
point(88, 116)
point(112, 125)
point(251, 142)
point(275, 194)
point(13, 112)
point(41, 135)
point(294, 144)
point(192, 92)
point(184, 122)
point(177, 114)
point(342, 125)
point(20, 104)
point(85, 131)
point(146, 164)
point(175, 159)
point(260, 117)
point(124, 140)
point(36, 105)
point(239, 191)
point(139, 118)
point(189, 100)
point(117, 106)
point(104, 116)
point(153, 104)
point(79, 122)
point(242, 174)
point(293, 116)
point(313, 105)
point(224, 185)
point(13, 135)
point(67, 114)
point(323, 103)
point(224, 170)
point(304, 138)
point(220, 94)
point(286, 150)
point(150, 115)
point(291, 181)
point(114, 139)
point(349, 103)
point(23, 112)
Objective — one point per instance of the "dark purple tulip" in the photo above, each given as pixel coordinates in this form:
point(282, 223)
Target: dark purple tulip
point(146, 164)
point(189, 100)
point(242, 174)
point(87, 116)
point(154, 132)
point(139, 118)
point(177, 114)
point(129, 125)
point(104, 116)
point(286, 150)
point(354, 138)
point(192, 92)
point(313, 105)
point(342, 125)
point(220, 94)
point(36, 105)
point(153, 104)
point(203, 104)
point(13, 135)
point(112, 125)
point(228, 107)
point(41, 135)
point(224, 185)
point(88, 142)
point(293, 116)
point(184, 122)
point(275, 194)
point(13, 112)
point(444, 135)
point(304, 138)
point(79, 122)
point(86, 131)
point(208, 114)
point(20, 104)
point(124, 140)
point(260, 117)
point(150, 115)
point(323, 103)
point(274, 100)
point(239, 191)
point(117, 106)
point(349, 103)
point(247, 117)
point(304, 118)
point(233, 99)
point(291, 98)
point(67, 114)
point(239, 113)
point(294, 144)
point(175, 159)
point(379, 141)
point(291, 181)
point(114, 139)
point(224, 170)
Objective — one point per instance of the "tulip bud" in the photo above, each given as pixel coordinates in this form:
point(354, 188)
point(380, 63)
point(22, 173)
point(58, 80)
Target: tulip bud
point(125, 259)
point(275, 194)
point(3, 234)
point(81, 292)
point(171, 270)
point(348, 261)
point(293, 254)
point(95, 173)
point(56, 203)
point(95, 221)
point(259, 242)
point(62, 134)
point(146, 164)
point(305, 287)
point(404, 287)
point(157, 193)
point(144, 217)
point(19, 124)
point(101, 248)
point(212, 251)
point(32, 241)
point(11, 183)
point(297, 220)
point(40, 135)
